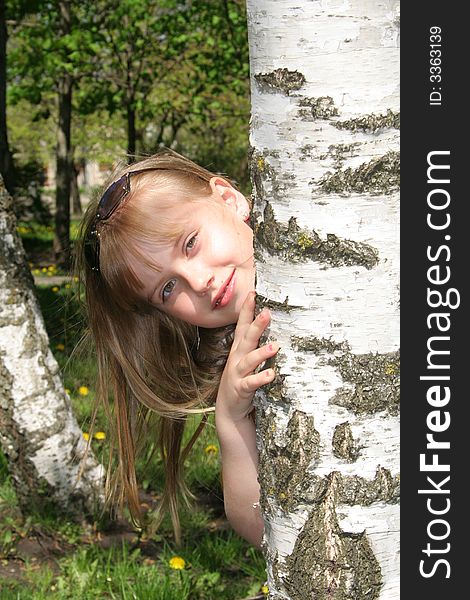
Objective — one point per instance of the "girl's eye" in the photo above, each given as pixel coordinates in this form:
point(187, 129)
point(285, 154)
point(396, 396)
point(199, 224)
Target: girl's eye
point(167, 289)
point(191, 242)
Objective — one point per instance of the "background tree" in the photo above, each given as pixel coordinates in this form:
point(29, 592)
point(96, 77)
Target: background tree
point(215, 102)
point(39, 434)
point(132, 42)
point(64, 163)
point(51, 50)
point(325, 140)
point(165, 64)
point(6, 159)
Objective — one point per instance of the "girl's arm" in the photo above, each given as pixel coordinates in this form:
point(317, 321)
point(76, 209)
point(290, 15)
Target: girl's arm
point(240, 477)
point(235, 427)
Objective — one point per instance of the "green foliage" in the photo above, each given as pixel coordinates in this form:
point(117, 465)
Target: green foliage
point(179, 69)
point(38, 54)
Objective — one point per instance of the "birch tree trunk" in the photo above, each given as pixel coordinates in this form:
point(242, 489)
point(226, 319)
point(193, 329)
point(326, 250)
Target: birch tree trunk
point(325, 171)
point(38, 432)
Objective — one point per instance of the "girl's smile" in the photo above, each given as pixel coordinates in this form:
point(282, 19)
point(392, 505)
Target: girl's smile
point(224, 295)
point(204, 276)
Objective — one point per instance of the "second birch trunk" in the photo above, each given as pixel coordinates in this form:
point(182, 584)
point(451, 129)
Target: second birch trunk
point(39, 434)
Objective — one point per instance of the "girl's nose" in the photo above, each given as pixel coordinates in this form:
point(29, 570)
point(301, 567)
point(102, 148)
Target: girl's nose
point(200, 280)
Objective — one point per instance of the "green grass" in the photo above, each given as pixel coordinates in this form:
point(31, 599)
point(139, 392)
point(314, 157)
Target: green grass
point(124, 573)
point(37, 241)
point(218, 563)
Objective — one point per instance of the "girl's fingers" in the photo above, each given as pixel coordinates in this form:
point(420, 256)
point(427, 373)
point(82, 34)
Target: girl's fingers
point(251, 383)
point(245, 317)
point(252, 333)
point(253, 359)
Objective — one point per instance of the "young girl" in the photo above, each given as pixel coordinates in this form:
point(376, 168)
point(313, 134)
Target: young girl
point(167, 264)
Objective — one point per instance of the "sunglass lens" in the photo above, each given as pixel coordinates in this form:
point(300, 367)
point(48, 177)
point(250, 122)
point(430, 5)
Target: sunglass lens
point(112, 198)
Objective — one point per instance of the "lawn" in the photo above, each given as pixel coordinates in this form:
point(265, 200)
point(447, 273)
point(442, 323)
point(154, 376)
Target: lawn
point(47, 556)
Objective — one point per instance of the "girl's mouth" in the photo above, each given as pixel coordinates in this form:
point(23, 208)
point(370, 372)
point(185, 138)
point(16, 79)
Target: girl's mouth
point(225, 293)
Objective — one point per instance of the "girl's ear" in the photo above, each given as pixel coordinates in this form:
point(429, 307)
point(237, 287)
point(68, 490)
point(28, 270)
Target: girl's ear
point(231, 197)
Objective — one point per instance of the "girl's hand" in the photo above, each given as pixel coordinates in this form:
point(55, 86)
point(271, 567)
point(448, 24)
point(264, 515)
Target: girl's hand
point(239, 381)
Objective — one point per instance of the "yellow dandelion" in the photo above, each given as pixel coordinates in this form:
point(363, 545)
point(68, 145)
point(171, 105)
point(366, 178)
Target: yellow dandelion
point(36, 272)
point(265, 589)
point(55, 289)
point(211, 449)
point(52, 268)
point(75, 278)
point(100, 435)
point(177, 562)
point(60, 347)
point(67, 286)
point(44, 270)
point(83, 390)
point(86, 436)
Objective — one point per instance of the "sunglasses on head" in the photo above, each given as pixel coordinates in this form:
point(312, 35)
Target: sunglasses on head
point(109, 202)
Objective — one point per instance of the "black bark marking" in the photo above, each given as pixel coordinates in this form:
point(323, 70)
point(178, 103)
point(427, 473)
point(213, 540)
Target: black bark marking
point(294, 244)
point(317, 345)
point(340, 152)
point(379, 176)
point(280, 80)
point(267, 183)
point(375, 377)
point(328, 563)
point(272, 304)
point(282, 470)
point(344, 444)
point(322, 107)
point(371, 123)
point(354, 490)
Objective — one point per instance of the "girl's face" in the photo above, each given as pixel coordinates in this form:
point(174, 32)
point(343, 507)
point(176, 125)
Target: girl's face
point(205, 275)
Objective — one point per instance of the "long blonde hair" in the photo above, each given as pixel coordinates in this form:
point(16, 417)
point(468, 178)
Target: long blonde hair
point(157, 369)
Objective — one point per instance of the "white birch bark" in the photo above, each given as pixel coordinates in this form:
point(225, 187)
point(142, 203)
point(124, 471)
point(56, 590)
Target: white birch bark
point(325, 141)
point(39, 434)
